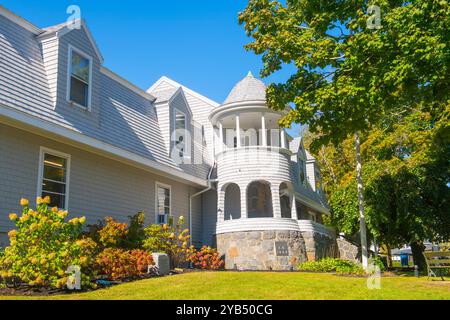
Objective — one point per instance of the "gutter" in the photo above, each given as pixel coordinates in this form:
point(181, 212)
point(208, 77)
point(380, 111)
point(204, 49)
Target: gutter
point(209, 181)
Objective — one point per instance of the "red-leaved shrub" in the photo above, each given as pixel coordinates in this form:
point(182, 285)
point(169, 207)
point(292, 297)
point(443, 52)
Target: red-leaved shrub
point(207, 258)
point(118, 263)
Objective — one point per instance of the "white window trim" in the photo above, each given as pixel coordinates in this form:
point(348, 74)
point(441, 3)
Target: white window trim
point(66, 156)
point(304, 169)
point(187, 151)
point(166, 186)
point(69, 74)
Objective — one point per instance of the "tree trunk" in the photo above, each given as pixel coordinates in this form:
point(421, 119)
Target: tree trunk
point(389, 256)
point(362, 219)
point(417, 249)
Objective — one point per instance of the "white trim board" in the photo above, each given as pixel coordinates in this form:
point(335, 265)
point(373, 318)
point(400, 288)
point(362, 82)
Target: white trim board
point(176, 85)
point(58, 133)
point(19, 21)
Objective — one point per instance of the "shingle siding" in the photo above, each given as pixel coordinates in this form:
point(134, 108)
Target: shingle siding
point(98, 186)
point(119, 116)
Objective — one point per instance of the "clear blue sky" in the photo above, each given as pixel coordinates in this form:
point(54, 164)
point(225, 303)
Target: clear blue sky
point(198, 43)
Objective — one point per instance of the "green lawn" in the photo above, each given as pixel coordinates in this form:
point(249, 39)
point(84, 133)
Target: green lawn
point(267, 285)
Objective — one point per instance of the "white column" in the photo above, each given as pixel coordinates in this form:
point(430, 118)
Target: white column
point(293, 207)
point(220, 205)
point(263, 130)
point(283, 138)
point(220, 137)
point(276, 207)
point(243, 189)
point(238, 132)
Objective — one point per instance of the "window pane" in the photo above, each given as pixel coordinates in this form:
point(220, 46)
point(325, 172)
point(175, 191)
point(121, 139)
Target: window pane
point(163, 205)
point(54, 178)
point(180, 122)
point(56, 199)
point(52, 173)
point(80, 67)
point(55, 161)
point(78, 92)
point(53, 186)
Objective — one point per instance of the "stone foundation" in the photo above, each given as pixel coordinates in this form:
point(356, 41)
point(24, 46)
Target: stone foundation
point(347, 250)
point(319, 246)
point(255, 250)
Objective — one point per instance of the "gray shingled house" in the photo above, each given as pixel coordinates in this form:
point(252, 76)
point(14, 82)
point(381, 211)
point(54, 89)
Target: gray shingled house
point(100, 146)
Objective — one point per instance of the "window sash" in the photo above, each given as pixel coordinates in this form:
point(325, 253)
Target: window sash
point(79, 78)
point(57, 190)
point(163, 204)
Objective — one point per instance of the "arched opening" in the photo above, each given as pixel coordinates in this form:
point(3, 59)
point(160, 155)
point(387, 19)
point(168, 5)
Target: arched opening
point(232, 202)
point(259, 200)
point(285, 201)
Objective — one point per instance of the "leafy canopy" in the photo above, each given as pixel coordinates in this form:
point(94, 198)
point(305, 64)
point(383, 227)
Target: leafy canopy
point(349, 77)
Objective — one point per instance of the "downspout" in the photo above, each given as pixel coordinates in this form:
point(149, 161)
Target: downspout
point(197, 194)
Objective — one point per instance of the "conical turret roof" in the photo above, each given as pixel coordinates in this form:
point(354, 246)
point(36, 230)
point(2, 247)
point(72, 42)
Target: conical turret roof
point(248, 89)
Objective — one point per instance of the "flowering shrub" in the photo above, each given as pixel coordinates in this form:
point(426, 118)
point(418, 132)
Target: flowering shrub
point(170, 239)
point(118, 263)
point(118, 235)
point(44, 245)
point(207, 258)
point(113, 233)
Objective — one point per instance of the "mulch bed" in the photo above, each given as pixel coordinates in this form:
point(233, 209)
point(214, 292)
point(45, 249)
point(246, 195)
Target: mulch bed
point(27, 290)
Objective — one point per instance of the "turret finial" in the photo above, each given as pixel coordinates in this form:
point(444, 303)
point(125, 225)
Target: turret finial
point(250, 74)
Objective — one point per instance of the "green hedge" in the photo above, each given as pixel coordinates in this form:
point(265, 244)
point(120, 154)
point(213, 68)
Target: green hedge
point(332, 265)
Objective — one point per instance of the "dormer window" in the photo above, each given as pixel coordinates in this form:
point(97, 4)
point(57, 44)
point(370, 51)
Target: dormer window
point(301, 170)
point(180, 133)
point(318, 181)
point(80, 78)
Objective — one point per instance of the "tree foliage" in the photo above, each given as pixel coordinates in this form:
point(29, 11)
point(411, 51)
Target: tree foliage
point(349, 77)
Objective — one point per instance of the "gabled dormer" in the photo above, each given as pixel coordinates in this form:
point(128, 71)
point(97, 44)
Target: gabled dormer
point(72, 62)
point(313, 173)
point(299, 157)
point(176, 122)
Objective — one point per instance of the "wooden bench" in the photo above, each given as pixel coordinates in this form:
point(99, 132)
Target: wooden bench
point(437, 260)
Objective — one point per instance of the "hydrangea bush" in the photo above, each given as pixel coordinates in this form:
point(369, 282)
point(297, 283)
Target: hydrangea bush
point(170, 239)
point(43, 245)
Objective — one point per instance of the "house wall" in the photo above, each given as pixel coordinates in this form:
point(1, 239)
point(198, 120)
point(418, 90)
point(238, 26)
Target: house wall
point(99, 186)
point(209, 216)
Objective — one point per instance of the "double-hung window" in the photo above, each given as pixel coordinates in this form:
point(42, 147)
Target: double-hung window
point(163, 203)
point(54, 177)
point(180, 133)
point(302, 170)
point(80, 78)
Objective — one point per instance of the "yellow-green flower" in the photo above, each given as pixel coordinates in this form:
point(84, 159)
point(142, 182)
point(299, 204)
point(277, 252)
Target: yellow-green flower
point(74, 221)
point(55, 209)
point(24, 202)
point(12, 216)
point(12, 233)
point(39, 200)
point(46, 200)
point(82, 220)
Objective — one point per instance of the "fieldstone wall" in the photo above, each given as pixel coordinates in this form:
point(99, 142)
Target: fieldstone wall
point(255, 250)
point(347, 250)
point(319, 246)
